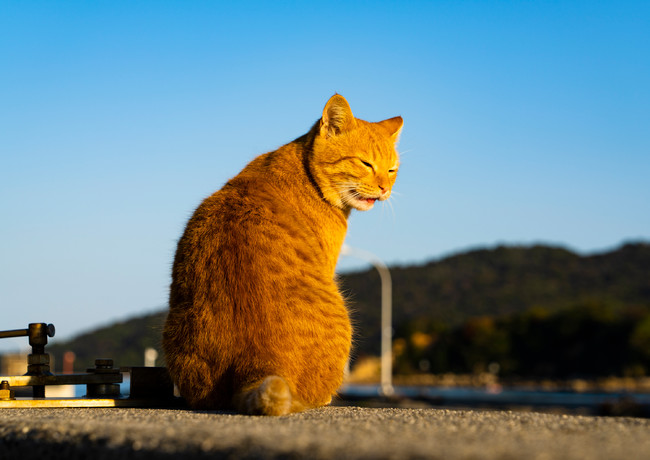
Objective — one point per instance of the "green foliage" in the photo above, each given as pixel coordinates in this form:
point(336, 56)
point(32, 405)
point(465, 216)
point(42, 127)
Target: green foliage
point(640, 338)
point(585, 340)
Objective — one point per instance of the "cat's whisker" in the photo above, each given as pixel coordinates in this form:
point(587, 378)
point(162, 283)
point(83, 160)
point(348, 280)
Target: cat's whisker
point(347, 186)
point(348, 195)
point(389, 201)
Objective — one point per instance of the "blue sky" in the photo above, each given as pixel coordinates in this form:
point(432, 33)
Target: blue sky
point(524, 122)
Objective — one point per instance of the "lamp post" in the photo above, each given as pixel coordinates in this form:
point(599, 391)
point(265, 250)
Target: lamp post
point(386, 315)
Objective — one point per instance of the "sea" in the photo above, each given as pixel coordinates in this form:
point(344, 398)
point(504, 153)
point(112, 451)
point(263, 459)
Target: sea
point(569, 401)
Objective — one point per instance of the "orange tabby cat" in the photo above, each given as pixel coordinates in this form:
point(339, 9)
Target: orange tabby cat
point(256, 322)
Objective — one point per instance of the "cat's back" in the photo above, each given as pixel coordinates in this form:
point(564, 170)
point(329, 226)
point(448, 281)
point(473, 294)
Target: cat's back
point(268, 219)
point(273, 183)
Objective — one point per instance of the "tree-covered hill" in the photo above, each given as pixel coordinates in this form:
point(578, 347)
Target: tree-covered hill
point(124, 342)
point(496, 283)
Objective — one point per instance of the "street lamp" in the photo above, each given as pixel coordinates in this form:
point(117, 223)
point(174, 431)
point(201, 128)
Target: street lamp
point(386, 315)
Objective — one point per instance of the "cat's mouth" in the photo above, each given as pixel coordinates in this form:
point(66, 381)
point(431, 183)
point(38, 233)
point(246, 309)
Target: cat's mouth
point(363, 203)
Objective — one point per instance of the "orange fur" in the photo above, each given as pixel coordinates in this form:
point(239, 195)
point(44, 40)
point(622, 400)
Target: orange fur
point(256, 321)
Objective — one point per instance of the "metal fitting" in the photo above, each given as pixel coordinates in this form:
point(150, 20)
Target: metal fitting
point(39, 359)
point(6, 393)
point(103, 366)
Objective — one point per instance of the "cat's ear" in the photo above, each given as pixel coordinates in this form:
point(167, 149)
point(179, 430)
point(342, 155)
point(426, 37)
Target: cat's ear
point(393, 126)
point(337, 117)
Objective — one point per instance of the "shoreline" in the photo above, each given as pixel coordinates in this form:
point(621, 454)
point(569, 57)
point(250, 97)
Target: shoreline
point(604, 397)
point(489, 381)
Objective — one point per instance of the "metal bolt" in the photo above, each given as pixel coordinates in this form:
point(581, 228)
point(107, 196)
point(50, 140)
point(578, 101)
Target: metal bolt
point(6, 393)
point(103, 363)
point(103, 366)
point(38, 359)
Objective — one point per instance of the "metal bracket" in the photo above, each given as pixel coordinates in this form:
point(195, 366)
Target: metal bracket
point(149, 386)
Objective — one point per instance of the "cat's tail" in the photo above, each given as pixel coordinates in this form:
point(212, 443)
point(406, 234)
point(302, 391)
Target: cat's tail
point(271, 396)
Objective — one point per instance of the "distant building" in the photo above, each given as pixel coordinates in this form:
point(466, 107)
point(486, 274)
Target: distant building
point(13, 364)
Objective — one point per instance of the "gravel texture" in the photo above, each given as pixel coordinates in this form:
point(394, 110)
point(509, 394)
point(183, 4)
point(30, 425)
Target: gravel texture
point(332, 432)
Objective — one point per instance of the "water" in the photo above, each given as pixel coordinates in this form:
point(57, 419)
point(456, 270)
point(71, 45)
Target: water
point(480, 397)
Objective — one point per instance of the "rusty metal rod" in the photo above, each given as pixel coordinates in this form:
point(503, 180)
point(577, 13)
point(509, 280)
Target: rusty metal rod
point(14, 333)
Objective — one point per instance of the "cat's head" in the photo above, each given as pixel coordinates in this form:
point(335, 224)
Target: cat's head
point(354, 162)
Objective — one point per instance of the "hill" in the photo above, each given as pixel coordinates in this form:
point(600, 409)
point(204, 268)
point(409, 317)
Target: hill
point(497, 282)
point(124, 342)
point(444, 294)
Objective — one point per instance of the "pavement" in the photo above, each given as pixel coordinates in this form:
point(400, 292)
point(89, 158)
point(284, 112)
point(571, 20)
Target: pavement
point(326, 433)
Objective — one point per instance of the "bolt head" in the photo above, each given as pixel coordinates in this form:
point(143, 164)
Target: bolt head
point(104, 363)
point(7, 394)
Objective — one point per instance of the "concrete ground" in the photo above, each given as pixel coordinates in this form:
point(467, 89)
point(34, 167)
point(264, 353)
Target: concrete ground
point(332, 432)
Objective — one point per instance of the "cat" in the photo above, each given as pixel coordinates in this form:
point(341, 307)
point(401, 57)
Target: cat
point(256, 320)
